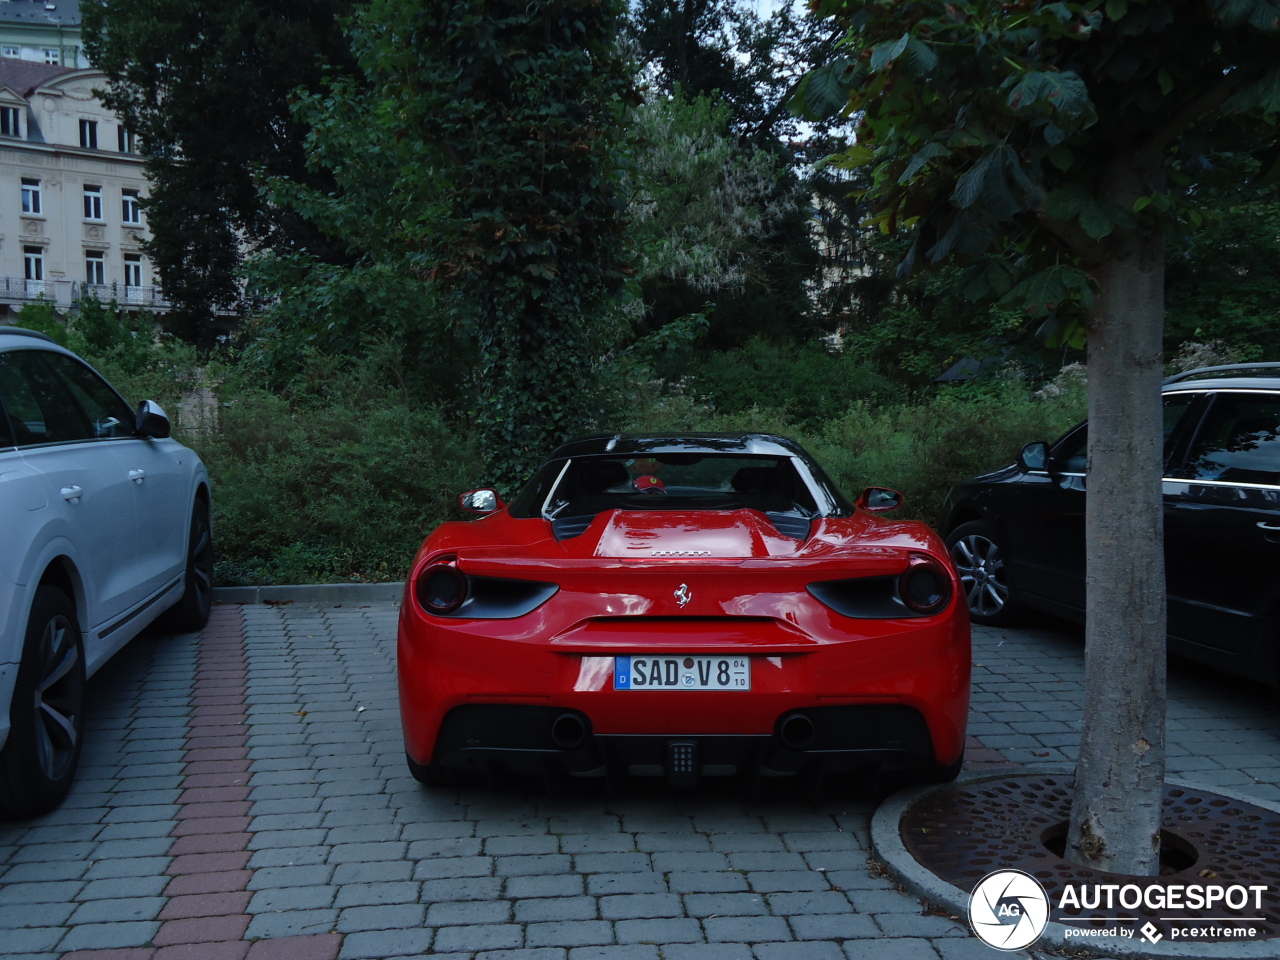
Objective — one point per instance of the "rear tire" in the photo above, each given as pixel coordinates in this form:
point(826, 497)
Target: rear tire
point(191, 613)
point(46, 716)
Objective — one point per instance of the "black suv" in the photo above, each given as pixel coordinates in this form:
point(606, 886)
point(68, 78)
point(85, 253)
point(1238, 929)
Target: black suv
point(1017, 535)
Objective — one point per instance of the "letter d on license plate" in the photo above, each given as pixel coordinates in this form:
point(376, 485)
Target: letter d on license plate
point(681, 672)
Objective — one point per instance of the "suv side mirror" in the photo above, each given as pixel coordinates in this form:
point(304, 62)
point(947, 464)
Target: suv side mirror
point(483, 500)
point(1034, 457)
point(880, 499)
point(151, 421)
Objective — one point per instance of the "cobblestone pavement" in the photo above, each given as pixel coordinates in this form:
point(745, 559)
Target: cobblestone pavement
point(243, 794)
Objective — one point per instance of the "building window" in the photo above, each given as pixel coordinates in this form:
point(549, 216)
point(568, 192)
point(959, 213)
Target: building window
point(10, 121)
point(130, 209)
point(128, 142)
point(132, 270)
point(33, 263)
point(92, 203)
point(52, 56)
point(89, 134)
point(95, 268)
point(10, 53)
point(31, 196)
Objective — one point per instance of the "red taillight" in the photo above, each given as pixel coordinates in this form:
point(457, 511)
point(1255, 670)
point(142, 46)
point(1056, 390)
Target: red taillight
point(442, 588)
point(925, 586)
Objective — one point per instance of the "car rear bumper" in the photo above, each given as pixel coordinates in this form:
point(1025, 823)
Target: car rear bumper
point(528, 739)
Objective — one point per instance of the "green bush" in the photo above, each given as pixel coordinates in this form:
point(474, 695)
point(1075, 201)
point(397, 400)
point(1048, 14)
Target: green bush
point(337, 480)
point(922, 448)
point(807, 381)
point(918, 446)
point(338, 477)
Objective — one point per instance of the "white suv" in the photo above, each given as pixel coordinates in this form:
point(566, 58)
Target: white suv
point(104, 527)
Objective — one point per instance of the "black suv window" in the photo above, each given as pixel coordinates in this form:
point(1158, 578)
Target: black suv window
point(1071, 455)
point(1239, 441)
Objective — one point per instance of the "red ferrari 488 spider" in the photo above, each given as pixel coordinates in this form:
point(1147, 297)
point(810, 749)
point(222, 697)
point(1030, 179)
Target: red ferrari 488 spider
point(683, 606)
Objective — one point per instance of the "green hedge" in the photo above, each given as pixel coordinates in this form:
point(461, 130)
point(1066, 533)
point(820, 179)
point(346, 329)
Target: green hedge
point(339, 475)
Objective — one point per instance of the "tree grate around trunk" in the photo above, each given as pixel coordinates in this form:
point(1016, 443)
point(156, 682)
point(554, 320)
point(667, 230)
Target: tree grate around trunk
point(965, 831)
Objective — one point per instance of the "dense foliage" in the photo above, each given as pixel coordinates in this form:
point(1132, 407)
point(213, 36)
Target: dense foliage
point(205, 87)
point(1222, 281)
point(337, 475)
point(477, 157)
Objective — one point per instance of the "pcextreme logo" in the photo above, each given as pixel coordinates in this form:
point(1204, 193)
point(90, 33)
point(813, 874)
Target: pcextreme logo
point(1008, 910)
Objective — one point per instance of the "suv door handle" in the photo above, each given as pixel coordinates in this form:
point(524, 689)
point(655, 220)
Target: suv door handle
point(137, 476)
point(72, 493)
point(1269, 527)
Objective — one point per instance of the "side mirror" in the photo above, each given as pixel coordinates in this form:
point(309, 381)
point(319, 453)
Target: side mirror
point(1034, 457)
point(880, 499)
point(151, 421)
point(483, 500)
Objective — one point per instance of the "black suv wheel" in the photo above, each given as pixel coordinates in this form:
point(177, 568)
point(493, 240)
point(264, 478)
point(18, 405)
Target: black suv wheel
point(975, 550)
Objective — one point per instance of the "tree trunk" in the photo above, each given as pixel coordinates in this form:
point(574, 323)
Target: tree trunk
point(1115, 816)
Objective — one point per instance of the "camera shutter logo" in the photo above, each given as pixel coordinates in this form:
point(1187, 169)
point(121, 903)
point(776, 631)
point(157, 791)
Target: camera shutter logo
point(1008, 910)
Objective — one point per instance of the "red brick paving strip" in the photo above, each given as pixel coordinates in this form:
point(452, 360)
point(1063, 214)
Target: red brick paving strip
point(978, 756)
point(205, 918)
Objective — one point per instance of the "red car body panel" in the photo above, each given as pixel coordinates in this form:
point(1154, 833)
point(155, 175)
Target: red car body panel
point(687, 582)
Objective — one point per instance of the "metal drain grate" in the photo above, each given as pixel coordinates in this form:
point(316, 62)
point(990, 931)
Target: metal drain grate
point(963, 832)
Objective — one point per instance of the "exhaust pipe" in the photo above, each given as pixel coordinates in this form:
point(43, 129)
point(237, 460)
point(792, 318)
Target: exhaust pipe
point(796, 731)
point(569, 731)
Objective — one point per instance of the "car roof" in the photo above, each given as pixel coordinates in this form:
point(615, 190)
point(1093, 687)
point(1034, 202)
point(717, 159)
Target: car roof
point(622, 445)
point(13, 336)
point(1254, 376)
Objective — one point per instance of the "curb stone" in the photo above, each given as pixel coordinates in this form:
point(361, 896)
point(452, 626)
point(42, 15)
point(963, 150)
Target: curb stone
point(888, 848)
point(337, 593)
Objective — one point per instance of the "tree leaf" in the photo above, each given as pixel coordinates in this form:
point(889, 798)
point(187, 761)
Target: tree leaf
point(824, 92)
point(1263, 95)
point(1259, 13)
point(883, 54)
point(1065, 203)
point(969, 186)
point(859, 155)
point(1059, 331)
point(1117, 9)
point(1062, 158)
point(1045, 291)
point(922, 57)
point(1064, 91)
point(929, 151)
point(988, 279)
point(1098, 220)
point(938, 252)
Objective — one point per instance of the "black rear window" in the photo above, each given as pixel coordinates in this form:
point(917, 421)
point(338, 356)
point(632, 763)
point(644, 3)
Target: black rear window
point(668, 481)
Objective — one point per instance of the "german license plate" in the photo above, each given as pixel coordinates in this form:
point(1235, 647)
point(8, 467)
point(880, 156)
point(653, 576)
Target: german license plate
point(681, 673)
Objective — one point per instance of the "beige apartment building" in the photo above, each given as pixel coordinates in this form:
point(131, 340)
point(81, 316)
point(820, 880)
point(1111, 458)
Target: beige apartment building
point(71, 186)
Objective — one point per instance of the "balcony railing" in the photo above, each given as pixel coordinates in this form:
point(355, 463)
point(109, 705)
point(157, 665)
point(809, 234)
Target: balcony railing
point(64, 293)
